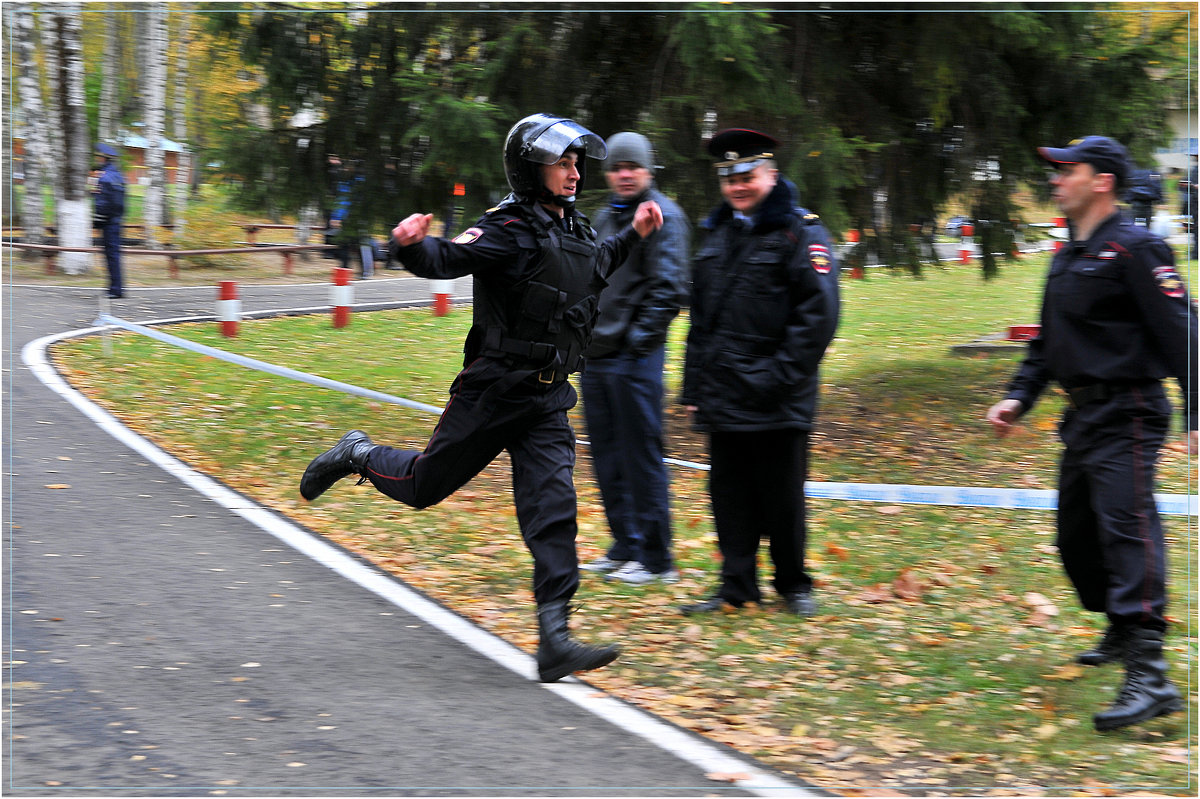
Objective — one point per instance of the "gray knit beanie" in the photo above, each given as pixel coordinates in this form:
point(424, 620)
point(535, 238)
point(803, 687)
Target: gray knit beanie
point(632, 147)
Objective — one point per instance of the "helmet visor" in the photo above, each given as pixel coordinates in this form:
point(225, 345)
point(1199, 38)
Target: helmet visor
point(548, 146)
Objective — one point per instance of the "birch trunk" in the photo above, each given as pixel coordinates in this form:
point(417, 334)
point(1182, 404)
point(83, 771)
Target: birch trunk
point(37, 147)
point(109, 77)
point(75, 206)
point(183, 165)
point(50, 55)
point(155, 98)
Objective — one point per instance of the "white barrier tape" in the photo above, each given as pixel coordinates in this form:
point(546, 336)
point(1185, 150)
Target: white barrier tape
point(962, 496)
point(229, 310)
point(263, 366)
point(343, 296)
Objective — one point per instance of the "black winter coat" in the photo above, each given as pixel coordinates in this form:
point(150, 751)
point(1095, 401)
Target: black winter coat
point(764, 309)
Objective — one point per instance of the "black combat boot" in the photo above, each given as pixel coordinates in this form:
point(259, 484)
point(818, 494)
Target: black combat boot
point(558, 655)
point(347, 457)
point(1110, 648)
point(1146, 693)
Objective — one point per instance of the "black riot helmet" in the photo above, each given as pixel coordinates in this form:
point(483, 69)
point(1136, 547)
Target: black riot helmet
point(541, 139)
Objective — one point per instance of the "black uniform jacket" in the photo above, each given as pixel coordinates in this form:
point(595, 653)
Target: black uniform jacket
point(1115, 311)
point(764, 309)
point(501, 251)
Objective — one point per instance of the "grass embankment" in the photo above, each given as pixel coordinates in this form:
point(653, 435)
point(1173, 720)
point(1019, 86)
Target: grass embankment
point(942, 655)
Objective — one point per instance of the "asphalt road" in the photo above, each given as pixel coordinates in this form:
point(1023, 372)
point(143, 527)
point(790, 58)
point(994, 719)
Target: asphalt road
point(158, 643)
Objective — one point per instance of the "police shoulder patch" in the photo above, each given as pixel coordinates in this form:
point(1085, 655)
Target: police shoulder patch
point(1169, 282)
point(820, 257)
point(469, 235)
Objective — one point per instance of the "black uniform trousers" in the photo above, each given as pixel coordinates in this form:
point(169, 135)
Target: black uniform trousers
point(490, 412)
point(1110, 536)
point(756, 484)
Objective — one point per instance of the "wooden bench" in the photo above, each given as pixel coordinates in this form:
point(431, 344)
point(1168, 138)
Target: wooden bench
point(252, 229)
point(49, 251)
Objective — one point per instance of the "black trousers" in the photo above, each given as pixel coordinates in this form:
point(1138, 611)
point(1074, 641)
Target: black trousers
point(483, 418)
point(757, 490)
point(1110, 536)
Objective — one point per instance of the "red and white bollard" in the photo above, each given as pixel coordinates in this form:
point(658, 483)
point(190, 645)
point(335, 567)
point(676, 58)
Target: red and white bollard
point(967, 246)
point(1060, 232)
point(442, 289)
point(229, 307)
point(343, 296)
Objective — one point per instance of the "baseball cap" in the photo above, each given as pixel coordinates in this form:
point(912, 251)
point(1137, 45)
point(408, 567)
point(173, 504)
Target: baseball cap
point(1103, 153)
point(632, 147)
point(740, 150)
point(105, 150)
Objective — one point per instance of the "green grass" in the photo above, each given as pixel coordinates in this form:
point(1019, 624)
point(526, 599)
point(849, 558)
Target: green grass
point(930, 667)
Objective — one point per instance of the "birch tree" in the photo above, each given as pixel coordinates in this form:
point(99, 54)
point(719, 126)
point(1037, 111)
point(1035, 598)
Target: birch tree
point(110, 76)
point(155, 100)
point(50, 58)
point(37, 147)
point(183, 165)
point(74, 206)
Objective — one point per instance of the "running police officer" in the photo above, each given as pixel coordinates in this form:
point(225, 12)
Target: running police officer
point(1116, 320)
point(538, 273)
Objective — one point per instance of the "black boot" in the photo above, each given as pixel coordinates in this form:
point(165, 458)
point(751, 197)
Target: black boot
point(1146, 693)
point(347, 457)
point(1110, 648)
point(558, 655)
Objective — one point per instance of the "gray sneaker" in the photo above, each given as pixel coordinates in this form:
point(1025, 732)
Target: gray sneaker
point(634, 573)
point(603, 565)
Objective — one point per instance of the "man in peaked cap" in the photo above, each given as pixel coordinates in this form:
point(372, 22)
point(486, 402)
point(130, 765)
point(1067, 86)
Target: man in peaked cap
point(1116, 320)
point(764, 309)
point(109, 208)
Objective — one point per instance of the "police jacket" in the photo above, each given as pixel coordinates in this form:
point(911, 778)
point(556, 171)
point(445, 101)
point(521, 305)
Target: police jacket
point(764, 309)
point(1115, 313)
point(110, 193)
point(646, 293)
point(537, 281)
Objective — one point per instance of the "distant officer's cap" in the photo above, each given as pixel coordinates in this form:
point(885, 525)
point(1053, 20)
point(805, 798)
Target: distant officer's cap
point(739, 150)
point(1103, 153)
point(105, 150)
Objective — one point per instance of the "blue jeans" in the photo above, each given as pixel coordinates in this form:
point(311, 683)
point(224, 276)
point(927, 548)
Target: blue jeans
point(622, 403)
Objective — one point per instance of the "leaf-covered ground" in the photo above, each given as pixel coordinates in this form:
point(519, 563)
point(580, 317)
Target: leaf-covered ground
point(941, 660)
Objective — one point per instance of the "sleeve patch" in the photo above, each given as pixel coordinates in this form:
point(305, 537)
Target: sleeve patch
point(1169, 282)
point(469, 236)
point(820, 258)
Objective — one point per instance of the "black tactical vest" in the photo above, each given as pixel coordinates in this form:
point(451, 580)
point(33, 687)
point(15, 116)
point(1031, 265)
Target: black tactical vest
point(544, 323)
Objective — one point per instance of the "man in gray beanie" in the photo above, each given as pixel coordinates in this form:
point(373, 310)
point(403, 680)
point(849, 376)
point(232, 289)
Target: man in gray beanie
point(622, 383)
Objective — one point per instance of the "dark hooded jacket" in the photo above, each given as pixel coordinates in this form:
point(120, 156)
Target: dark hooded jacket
point(764, 309)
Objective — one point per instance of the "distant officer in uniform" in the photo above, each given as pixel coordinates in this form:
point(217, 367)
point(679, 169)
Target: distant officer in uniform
point(623, 383)
point(109, 210)
point(1142, 193)
point(1116, 320)
point(538, 272)
point(764, 308)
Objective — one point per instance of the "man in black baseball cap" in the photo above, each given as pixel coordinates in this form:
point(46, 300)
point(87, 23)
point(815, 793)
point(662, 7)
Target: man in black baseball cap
point(1116, 321)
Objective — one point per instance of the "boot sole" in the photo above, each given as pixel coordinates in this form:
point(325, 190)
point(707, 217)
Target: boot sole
point(558, 672)
point(1161, 709)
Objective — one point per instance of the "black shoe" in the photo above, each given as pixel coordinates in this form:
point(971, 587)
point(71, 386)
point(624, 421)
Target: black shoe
point(558, 653)
point(710, 605)
point(116, 295)
point(347, 457)
point(1146, 692)
point(1110, 648)
point(802, 604)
